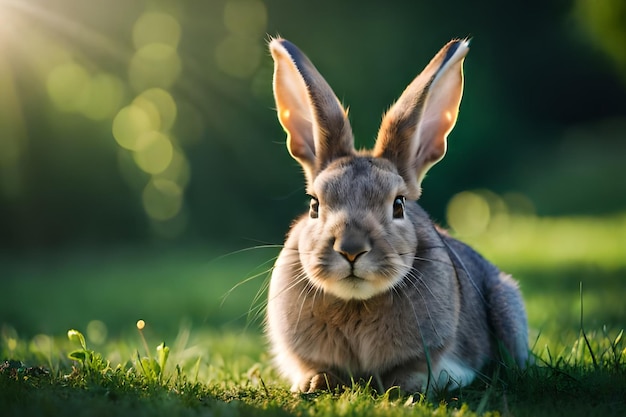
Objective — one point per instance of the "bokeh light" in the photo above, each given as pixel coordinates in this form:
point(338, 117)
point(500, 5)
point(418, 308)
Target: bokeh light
point(157, 27)
point(154, 65)
point(42, 343)
point(67, 85)
point(178, 170)
point(156, 62)
point(129, 124)
point(238, 56)
point(9, 336)
point(72, 89)
point(162, 199)
point(245, 17)
point(519, 204)
point(239, 53)
point(150, 109)
point(604, 22)
point(153, 152)
point(104, 96)
point(468, 213)
point(159, 101)
point(144, 127)
point(97, 332)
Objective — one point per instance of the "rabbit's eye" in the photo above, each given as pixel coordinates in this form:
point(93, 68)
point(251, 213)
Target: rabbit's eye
point(314, 208)
point(398, 207)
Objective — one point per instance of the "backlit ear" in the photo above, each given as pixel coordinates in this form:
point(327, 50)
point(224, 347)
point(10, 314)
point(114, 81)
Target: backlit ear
point(413, 132)
point(317, 126)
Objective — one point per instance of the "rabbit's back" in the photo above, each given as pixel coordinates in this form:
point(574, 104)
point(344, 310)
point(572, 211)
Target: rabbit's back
point(501, 315)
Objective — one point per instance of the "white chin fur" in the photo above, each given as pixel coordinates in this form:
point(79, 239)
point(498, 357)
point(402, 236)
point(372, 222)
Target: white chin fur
point(356, 289)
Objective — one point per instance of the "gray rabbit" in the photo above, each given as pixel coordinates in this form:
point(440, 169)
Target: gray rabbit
point(366, 287)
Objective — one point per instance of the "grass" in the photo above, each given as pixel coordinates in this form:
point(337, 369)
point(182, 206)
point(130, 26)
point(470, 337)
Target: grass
point(230, 377)
point(214, 362)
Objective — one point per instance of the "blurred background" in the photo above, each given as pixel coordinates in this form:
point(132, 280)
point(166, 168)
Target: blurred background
point(138, 142)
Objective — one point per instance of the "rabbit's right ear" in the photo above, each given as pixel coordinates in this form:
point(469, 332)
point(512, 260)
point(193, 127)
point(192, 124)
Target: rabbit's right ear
point(413, 132)
point(317, 126)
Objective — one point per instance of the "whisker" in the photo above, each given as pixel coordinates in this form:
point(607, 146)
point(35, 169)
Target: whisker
point(308, 288)
point(441, 261)
point(419, 292)
point(248, 249)
point(414, 273)
point(300, 277)
point(256, 311)
point(467, 274)
point(244, 281)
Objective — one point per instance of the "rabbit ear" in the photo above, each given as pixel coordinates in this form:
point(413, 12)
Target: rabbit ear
point(317, 126)
point(414, 130)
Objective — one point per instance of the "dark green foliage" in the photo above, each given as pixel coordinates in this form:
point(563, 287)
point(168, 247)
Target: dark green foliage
point(542, 112)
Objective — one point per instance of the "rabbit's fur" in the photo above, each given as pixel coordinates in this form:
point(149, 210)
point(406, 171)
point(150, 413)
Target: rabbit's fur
point(366, 286)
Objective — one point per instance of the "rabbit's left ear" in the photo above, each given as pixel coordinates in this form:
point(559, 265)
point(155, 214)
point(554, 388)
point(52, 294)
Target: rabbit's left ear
point(413, 132)
point(317, 126)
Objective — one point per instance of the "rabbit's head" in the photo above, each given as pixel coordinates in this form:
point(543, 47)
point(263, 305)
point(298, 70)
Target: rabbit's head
point(360, 236)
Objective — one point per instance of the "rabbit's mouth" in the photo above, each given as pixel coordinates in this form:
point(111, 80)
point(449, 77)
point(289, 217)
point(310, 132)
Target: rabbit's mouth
point(372, 274)
point(354, 279)
point(354, 287)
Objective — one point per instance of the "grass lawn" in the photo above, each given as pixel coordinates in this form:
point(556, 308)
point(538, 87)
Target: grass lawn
point(216, 362)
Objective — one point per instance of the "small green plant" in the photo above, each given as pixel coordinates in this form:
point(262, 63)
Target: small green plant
point(152, 368)
point(92, 362)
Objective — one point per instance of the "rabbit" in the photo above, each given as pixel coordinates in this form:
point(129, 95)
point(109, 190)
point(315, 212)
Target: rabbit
point(366, 287)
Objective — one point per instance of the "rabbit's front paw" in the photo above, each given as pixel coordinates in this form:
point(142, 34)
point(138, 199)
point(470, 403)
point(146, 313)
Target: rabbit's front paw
point(322, 381)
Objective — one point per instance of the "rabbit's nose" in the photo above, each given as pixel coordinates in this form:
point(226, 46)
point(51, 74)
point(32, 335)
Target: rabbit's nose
point(352, 245)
